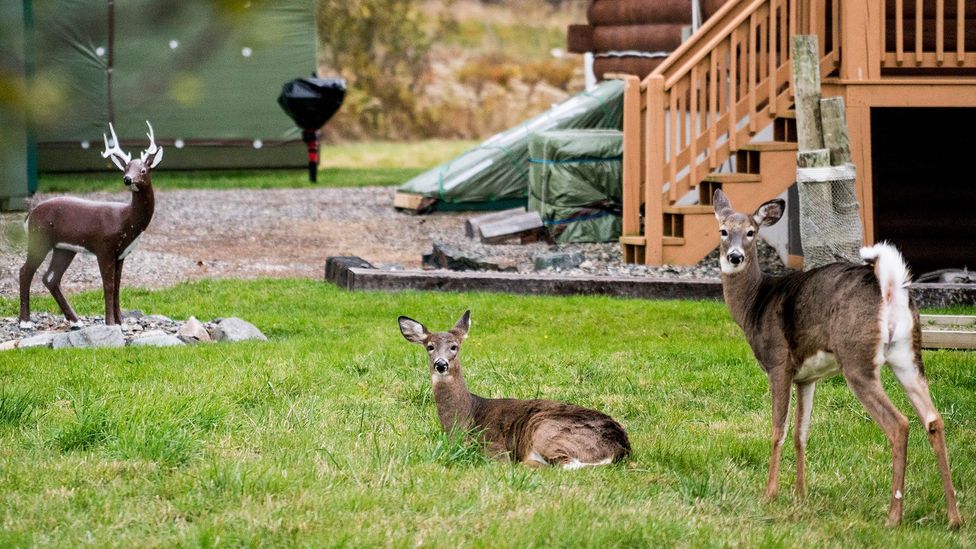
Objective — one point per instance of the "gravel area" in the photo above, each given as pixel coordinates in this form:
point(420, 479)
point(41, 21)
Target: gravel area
point(289, 233)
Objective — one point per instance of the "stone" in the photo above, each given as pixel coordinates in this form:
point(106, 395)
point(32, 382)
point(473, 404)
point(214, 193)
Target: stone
point(134, 314)
point(156, 338)
point(91, 338)
point(236, 329)
point(193, 330)
point(557, 260)
point(448, 257)
point(41, 340)
point(9, 345)
point(158, 319)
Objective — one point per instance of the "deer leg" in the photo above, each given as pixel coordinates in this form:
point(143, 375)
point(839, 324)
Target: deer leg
point(866, 386)
point(779, 388)
point(34, 259)
point(107, 268)
point(804, 408)
point(60, 260)
point(906, 364)
point(118, 288)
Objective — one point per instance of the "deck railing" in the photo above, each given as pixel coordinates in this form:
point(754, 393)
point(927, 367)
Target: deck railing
point(713, 93)
point(928, 34)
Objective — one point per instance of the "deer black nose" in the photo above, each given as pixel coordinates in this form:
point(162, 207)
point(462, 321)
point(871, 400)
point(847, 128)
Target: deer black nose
point(440, 365)
point(735, 258)
point(127, 180)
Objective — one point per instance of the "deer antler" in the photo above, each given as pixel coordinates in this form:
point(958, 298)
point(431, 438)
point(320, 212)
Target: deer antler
point(154, 152)
point(115, 152)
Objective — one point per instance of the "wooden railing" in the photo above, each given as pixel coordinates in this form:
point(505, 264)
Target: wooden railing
point(713, 93)
point(928, 34)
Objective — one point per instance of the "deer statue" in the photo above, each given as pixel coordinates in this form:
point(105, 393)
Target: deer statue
point(839, 318)
point(109, 230)
point(533, 432)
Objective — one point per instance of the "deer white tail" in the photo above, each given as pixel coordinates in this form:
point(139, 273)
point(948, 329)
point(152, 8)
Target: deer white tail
point(894, 278)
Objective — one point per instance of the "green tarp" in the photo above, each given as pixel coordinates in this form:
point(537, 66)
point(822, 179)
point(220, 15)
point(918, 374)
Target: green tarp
point(205, 73)
point(575, 183)
point(497, 171)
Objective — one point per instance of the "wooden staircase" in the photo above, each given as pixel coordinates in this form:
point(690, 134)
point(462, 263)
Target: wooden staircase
point(717, 113)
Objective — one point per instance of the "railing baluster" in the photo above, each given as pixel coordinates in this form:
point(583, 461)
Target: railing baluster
point(675, 144)
point(693, 143)
point(751, 84)
point(918, 32)
point(835, 28)
point(939, 31)
point(713, 110)
point(899, 32)
point(960, 31)
point(733, 87)
point(884, 31)
point(771, 61)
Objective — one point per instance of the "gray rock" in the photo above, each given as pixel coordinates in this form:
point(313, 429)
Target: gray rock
point(156, 338)
point(43, 339)
point(449, 257)
point(156, 318)
point(235, 329)
point(9, 345)
point(91, 338)
point(558, 260)
point(193, 330)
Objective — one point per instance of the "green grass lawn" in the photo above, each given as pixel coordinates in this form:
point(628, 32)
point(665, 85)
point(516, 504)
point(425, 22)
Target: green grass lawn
point(343, 165)
point(327, 434)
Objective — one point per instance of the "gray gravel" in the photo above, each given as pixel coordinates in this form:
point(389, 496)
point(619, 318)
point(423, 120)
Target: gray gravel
point(289, 233)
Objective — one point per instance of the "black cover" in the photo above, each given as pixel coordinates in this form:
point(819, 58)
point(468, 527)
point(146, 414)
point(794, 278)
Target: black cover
point(311, 102)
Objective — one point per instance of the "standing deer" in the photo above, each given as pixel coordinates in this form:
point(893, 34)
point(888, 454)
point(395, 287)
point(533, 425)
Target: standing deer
point(109, 230)
point(839, 318)
point(534, 432)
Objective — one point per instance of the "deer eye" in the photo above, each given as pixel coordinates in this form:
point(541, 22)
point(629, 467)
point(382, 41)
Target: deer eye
point(724, 233)
point(454, 347)
point(430, 347)
point(143, 171)
point(750, 233)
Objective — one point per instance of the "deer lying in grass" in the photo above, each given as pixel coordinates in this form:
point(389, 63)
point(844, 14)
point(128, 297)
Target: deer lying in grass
point(534, 432)
point(109, 230)
point(839, 318)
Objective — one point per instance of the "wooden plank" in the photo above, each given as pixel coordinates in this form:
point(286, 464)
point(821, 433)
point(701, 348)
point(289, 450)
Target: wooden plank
point(632, 155)
point(472, 225)
point(834, 122)
point(413, 203)
point(806, 85)
point(654, 170)
point(524, 226)
point(948, 339)
point(948, 320)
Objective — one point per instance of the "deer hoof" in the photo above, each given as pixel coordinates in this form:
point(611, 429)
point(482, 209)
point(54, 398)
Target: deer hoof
point(955, 522)
point(26, 325)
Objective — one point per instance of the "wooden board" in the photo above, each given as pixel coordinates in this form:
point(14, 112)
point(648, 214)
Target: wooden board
point(527, 227)
point(473, 224)
point(413, 203)
point(948, 332)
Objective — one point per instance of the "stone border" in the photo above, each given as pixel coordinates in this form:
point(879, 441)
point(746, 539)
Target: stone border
point(354, 273)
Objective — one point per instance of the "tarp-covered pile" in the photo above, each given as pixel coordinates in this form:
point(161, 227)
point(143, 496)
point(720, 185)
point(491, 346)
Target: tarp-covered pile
point(575, 183)
point(497, 171)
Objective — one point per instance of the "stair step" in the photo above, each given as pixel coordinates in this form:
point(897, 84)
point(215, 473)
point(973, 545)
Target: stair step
point(673, 241)
point(733, 177)
point(693, 209)
point(770, 146)
point(786, 114)
point(633, 240)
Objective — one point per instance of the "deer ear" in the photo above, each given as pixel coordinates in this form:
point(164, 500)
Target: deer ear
point(721, 204)
point(769, 212)
point(463, 325)
point(413, 331)
point(157, 158)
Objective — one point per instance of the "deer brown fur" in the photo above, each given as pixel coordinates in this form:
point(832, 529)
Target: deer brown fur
point(109, 230)
point(839, 318)
point(534, 432)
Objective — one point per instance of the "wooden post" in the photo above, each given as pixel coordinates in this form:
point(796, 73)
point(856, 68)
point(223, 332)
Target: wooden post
point(655, 141)
point(632, 156)
point(819, 158)
point(806, 87)
point(834, 125)
point(862, 39)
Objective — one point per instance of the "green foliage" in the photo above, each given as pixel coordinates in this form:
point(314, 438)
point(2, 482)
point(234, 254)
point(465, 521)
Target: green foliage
point(329, 431)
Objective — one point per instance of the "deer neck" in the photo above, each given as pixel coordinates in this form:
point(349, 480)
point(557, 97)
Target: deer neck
point(454, 402)
point(141, 208)
point(739, 289)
